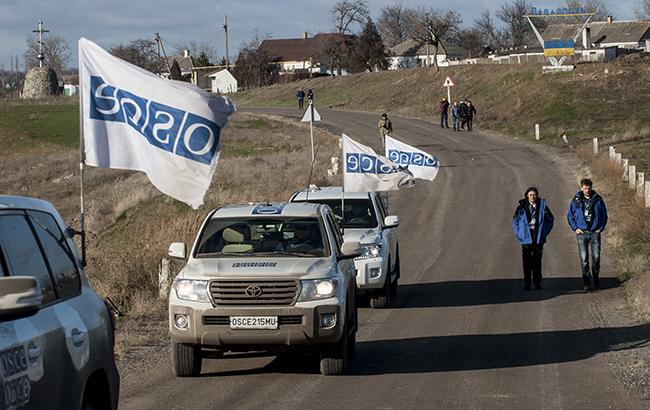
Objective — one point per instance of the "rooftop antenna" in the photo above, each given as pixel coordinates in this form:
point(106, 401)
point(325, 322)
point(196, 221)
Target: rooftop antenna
point(225, 29)
point(40, 32)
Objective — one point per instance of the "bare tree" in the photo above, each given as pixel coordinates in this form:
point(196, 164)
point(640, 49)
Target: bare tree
point(493, 35)
point(592, 6)
point(345, 15)
point(197, 48)
point(471, 39)
point(253, 67)
point(430, 27)
point(517, 28)
point(141, 52)
point(56, 51)
point(643, 11)
point(393, 24)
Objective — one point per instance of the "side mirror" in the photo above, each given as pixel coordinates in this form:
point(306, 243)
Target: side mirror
point(19, 296)
point(351, 248)
point(391, 221)
point(177, 250)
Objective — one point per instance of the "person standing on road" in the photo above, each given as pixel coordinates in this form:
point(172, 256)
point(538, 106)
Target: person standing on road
point(455, 116)
point(462, 111)
point(310, 96)
point(300, 96)
point(531, 224)
point(471, 111)
point(587, 217)
point(444, 107)
point(385, 128)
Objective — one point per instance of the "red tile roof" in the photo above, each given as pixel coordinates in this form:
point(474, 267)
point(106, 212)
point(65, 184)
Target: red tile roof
point(298, 49)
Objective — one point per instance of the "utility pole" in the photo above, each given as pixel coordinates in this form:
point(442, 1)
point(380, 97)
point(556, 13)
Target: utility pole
point(40, 32)
point(225, 29)
point(159, 42)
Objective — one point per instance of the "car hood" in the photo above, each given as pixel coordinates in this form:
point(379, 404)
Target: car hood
point(257, 267)
point(362, 235)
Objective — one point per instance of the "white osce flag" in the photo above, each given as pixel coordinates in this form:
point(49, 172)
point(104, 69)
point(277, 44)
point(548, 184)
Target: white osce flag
point(421, 164)
point(133, 119)
point(365, 170)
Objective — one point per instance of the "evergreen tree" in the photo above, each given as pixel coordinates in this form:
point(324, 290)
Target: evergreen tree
point(203, 60)
point(369, 52)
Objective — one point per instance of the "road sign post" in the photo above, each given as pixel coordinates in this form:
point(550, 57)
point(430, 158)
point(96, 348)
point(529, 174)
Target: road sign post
point(448, 83)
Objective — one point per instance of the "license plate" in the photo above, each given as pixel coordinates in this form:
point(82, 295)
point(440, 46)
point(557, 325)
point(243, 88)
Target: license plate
point(253, 322)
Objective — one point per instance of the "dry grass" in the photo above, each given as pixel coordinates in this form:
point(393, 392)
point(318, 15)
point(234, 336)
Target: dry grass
point(130, 224)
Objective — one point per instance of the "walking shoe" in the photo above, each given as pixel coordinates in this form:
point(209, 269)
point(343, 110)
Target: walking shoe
point(586, 288)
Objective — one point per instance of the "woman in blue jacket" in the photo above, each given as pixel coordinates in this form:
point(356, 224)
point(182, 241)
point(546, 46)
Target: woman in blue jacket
point(531, 223)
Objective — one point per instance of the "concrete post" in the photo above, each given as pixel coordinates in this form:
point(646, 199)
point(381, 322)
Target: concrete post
point(618, 158)
point(631, 177)
point(595, 146)
point(640, 183)
point(164, 279)
point(537, 132)
point(612, 153)
point(647, 194)
point(625, 164)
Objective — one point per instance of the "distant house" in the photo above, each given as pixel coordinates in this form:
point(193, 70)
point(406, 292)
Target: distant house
point(412, 53)
point(223, 82)
point(301, 55)
point(185, 64)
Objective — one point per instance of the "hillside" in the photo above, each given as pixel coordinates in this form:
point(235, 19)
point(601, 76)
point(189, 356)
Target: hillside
point(606, 100)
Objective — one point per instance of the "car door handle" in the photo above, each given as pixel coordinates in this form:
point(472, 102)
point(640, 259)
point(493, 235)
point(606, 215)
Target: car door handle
point(78, 337)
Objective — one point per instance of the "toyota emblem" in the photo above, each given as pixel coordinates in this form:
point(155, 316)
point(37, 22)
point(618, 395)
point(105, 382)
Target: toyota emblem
point(253, 291)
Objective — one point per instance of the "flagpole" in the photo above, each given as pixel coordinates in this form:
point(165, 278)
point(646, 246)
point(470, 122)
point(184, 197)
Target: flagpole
point(82, 159)
point(343, 189)
point(311, 128)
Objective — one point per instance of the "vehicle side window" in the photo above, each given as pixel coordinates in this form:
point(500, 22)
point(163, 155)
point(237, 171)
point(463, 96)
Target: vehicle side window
point(382, 210)
point(23, 255)
point(59, 255)
point(335, 230)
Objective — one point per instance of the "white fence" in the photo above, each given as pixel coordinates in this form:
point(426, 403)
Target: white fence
point(635, 180)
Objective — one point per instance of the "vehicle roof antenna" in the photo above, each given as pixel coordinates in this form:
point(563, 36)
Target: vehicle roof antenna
point(311, 171)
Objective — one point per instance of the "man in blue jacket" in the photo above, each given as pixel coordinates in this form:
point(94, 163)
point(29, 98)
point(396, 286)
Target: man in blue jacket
point(531, 223)
point(587, 217)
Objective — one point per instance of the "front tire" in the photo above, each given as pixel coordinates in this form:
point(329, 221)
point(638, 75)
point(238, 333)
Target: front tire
point(186, 359)
point(334, 359)
point(380, 299)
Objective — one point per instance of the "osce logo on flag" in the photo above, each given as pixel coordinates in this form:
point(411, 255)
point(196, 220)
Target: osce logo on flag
point(173, 130)
point(360, 163)
point(411, 158)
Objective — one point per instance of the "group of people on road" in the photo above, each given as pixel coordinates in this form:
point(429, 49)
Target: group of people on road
point(300, 96)
point(462, 114)
point(533, 221)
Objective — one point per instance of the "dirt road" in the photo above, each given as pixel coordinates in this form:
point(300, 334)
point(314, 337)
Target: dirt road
point(462, 333)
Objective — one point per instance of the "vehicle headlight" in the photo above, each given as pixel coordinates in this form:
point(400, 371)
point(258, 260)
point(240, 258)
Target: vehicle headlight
point(370, 250)
point(194, 290)
point(316, 289)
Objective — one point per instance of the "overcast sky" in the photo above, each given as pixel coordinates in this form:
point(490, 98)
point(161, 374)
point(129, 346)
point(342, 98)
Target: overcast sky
point(121, 21)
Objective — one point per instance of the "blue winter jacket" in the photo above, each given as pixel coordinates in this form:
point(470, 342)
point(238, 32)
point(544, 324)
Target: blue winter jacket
point(576, 218)
point(520, 222)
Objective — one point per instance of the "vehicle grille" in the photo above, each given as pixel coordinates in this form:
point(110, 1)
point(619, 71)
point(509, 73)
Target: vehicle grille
point(272, 292)
point(225, 320)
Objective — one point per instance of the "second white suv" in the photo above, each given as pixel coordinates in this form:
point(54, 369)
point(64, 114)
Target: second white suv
point(367, 221)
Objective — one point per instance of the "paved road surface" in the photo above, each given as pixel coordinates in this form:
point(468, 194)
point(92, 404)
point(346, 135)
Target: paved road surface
point(463, 333)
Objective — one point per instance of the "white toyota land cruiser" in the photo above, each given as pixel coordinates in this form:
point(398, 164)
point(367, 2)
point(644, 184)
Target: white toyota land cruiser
point(366, 221)
point(265, 277)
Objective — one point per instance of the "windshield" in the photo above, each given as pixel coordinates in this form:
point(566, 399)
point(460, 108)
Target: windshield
point(359, 213)
point(281, 236)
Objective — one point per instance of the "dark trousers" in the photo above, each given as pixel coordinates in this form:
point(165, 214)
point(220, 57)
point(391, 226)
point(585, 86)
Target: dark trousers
point(532, 261)
point(589, 243)
point(443, 120)
point(469, 123)
point(300, 103)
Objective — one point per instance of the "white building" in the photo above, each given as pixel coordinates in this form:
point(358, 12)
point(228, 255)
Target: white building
point(411, 53)
point(223, 82)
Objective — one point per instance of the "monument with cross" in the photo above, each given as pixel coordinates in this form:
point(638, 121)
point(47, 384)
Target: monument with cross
point(41, 81)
